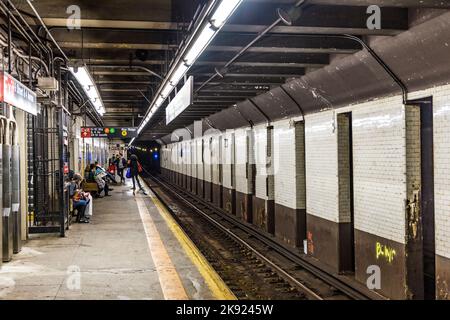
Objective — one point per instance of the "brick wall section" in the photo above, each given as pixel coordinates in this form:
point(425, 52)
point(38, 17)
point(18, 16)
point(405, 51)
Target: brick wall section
point(379, 149)
point(289, 166)
point(441, 128)
point(413, 151)
point(344, 164)
point(321, 166)
point(227, 158)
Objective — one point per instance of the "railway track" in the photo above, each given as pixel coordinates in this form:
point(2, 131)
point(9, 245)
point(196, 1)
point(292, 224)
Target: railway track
point(253, 264)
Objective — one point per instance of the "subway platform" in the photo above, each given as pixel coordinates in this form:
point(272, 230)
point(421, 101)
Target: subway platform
point(131, 250)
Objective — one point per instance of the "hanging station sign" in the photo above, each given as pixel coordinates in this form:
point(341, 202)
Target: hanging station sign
point(15, 93)
point(181, 102)
point(108, 132)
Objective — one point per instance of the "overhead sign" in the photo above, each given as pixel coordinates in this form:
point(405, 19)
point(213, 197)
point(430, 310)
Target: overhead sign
point(17, 94)
point(108, 132)
point(181, 102)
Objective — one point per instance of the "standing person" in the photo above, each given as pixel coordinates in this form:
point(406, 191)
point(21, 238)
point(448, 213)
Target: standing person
point(134, 170)
point(121, 163)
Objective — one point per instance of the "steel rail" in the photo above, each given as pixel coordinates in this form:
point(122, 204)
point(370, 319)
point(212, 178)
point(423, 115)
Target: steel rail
point(297, 259)
point(270, 243)
point(242, 242)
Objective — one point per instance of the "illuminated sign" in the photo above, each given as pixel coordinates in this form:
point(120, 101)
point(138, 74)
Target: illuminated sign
point(16, 94)
point(181, 102)
point(109, 132)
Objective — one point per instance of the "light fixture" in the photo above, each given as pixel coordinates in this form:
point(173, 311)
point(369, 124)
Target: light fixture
point(224, 11)
point(199, 42)
point(85, 80)
point(199, 46)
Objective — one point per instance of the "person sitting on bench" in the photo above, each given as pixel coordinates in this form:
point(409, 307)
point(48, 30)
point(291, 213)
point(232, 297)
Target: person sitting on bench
point(80, 199)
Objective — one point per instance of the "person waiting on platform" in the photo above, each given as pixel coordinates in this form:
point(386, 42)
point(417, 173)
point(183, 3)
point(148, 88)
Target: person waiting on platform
point(79, 198)
point(100, 178)
point(108, 175)
point(121, 164)
point(135, 168)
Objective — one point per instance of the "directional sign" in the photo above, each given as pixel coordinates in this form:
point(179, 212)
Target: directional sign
point(15, 93)
point(108, 132)
point(181, 102)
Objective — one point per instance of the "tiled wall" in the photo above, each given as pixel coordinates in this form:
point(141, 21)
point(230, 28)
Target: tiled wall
point(227, 158)
point(242, 142)
point(216, 151)
point(379, 158)
point(441, 126)
point(321, 165)
point(263, 160)
point(379, 168)
point(288, 148)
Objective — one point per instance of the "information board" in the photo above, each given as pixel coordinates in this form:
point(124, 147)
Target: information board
point(181, 102)
point(15, 93)
point(108, 132)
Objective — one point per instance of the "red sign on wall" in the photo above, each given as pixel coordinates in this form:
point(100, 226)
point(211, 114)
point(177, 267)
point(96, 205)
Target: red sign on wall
point(86, 133)
point(16, 94)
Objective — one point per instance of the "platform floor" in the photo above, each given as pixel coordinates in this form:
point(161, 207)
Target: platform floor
point(132, 249)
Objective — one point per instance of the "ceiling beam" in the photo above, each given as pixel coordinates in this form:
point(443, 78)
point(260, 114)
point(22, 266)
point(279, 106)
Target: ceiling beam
point(115, 45)
point(311, 30)
point(113, 24)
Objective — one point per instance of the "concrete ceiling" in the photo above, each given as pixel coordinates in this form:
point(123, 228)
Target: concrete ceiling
point(126, 33)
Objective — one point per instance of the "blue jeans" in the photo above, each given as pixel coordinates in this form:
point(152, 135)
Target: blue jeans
point(80, 206)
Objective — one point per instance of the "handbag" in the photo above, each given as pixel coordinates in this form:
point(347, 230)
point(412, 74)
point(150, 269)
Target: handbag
point(128, 175)
point(139, 168)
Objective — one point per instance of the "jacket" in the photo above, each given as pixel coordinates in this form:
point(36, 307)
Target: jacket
point(134, 166)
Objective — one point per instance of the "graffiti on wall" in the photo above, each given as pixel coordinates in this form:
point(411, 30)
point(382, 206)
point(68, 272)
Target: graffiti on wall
point(384, 251)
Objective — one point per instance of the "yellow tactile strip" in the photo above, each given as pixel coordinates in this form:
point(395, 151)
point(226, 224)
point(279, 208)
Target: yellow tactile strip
point(169, 279)
point(214, 282)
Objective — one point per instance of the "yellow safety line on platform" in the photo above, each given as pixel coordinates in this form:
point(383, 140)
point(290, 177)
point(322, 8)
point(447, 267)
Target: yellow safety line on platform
point(170, 281)
point(215, 283)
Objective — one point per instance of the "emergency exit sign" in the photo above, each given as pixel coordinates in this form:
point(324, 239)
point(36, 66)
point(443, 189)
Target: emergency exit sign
point(108, 132)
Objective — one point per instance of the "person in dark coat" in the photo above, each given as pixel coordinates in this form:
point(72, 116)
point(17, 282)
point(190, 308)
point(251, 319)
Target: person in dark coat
point(134, 170)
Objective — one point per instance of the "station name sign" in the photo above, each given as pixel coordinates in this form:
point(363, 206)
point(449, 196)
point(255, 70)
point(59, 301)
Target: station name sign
point(15, 93)
point(108, 132)
point(181, 102)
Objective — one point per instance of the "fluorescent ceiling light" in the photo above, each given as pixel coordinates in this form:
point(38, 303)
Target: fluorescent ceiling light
point(178, 74)
point(220, 16)
point(224, 11)
point(200, 44)
point(85, 80)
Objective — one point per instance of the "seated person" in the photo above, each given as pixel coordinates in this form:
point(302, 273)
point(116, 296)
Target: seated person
point(80, 199)
point(89, 173)
point(99, 177)
point(108, 175)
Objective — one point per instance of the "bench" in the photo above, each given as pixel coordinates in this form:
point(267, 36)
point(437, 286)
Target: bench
point(90, 187)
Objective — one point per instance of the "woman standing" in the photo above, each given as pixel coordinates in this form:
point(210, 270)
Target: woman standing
point(134, 166)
